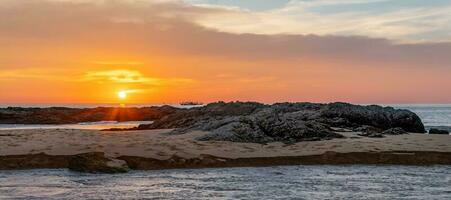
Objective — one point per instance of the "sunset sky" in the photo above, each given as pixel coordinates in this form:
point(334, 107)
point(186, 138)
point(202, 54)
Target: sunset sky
point(167, 51)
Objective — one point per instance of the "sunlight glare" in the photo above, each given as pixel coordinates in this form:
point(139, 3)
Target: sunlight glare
point(122, 94)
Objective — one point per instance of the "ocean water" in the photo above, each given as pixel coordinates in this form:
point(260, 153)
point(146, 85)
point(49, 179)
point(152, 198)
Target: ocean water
point(287, 182)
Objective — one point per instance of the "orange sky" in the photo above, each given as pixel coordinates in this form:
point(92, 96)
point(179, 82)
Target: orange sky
point(66, 52)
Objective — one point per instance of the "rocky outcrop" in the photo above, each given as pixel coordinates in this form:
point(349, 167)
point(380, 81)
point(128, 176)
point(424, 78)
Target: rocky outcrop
point(394, 131)
point(265, 126)
point(287, 122)
point(60, 115)
point(348, 115)
point(239, 121)
point(210, 112)
point(438, 131)
point(369, 131)
point(97, 162)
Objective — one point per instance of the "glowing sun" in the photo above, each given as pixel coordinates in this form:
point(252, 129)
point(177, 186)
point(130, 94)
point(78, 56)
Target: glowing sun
point(122, 94)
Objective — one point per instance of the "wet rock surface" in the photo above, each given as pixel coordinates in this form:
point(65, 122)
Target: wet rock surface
point(265, 126)
point(97, 162)
point(44, 161)
point(287, 122)
point(438, 131)
point(394, 131)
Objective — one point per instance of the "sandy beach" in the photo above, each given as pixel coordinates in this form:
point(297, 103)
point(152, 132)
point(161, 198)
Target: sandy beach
point(159, 145)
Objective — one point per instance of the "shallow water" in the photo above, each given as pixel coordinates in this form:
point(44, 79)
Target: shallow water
point(300, 182)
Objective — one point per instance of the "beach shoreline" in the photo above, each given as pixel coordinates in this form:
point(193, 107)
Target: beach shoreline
point(420, 158)
point(158, 149)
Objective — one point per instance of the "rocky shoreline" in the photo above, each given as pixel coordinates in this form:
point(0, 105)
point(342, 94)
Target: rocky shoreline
point(234, 134)
point(45, 161)
point(63, 115)
point(286, 122)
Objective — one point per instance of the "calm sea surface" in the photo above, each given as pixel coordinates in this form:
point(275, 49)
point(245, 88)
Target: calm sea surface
point(290, 182)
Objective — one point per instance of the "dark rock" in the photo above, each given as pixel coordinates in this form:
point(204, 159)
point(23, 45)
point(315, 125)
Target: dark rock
point(445, 128)
point(348, 115)
point(418, 158)
point(394, 131)
point(365, 128)
point(213, 111)
point(239, 121)
point(337, 129)
point(438, 131)
point(341, 115)
point(96, 162)
point(232, 109)
point(371, 132)
point(59, 115)
point(263, 127)
point(287, 122)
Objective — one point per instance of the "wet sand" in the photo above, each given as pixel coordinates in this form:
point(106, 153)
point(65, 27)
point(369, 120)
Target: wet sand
point(158, 145)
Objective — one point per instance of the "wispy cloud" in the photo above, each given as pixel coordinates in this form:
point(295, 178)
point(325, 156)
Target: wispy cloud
point(183, 50)
point(119, 76)
point(127, 76)
point(417, 21)
point(404, 21)
point(118, 63)
point(29, 73)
